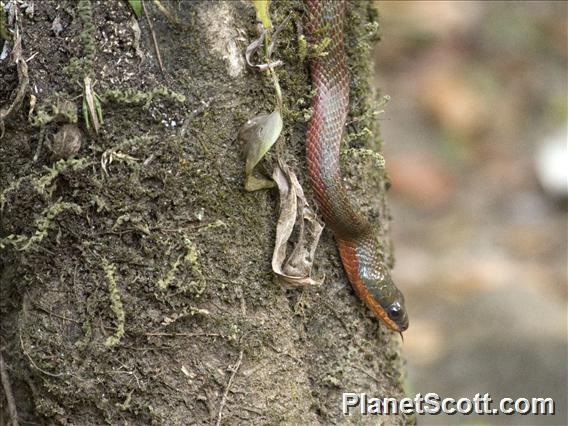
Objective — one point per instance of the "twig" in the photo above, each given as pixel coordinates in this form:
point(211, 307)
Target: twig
point(337, 315)
point(165, 11)
point(34, 364)
point(362, 370)
point(154, 40)
point(47, 311)
point(226, 393)
point(23, 79)
point(253, 410)
point(279, 352)
point(12, 411)
point(91, 104)
point(31, 57)
point(39, 143)
point(184, 334)
point(235, 368)
point(201, 108)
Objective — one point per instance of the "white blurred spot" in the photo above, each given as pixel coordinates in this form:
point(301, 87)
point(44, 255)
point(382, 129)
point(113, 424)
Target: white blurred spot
point(552, 164)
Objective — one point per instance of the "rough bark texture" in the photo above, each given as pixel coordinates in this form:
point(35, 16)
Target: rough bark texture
point(132, 290)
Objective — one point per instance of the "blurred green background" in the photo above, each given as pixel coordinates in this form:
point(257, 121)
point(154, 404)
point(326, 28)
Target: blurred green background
point(476, 144)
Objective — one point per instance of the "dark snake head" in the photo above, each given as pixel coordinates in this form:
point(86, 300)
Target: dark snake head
point(388, 301)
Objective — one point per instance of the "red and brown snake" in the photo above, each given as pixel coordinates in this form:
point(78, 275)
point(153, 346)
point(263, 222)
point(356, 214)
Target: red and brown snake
point(358, 245)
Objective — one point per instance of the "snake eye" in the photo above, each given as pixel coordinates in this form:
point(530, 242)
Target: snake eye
point(394, 311)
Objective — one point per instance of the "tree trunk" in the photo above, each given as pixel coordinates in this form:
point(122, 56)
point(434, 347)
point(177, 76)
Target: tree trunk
point(136, 279)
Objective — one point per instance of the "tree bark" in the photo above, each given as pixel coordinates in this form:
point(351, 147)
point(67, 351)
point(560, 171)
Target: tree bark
point(136, 280)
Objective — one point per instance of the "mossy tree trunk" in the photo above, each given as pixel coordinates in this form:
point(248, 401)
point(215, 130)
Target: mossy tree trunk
point(136, 280)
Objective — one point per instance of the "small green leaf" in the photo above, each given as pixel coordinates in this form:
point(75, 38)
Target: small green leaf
point(136, 6)
point(258, 135)
point(261, 7)
point(85, 110)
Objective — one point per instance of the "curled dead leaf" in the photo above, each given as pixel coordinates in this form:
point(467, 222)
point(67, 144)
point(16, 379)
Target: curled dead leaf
point(66, 142)
point(295, 270)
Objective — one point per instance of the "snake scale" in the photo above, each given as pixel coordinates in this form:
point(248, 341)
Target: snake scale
point(358, 244)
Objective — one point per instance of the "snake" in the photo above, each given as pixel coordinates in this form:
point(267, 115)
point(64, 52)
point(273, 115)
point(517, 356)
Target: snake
point(357, 241)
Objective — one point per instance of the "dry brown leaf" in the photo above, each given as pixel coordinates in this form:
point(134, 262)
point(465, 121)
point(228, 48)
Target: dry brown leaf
point(89, 98)
point(23, 81)
point(296, 269)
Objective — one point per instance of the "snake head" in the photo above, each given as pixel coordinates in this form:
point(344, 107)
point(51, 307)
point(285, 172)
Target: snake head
point(386, 300)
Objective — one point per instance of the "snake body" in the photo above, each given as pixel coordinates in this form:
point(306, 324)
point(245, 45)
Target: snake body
point(358, 245)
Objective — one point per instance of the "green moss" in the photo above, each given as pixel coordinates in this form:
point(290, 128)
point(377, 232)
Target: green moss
point(4, 33)
point(132, 96)
point(192, 257)
point(195, 286)
point(115, 303)
point(45, 185)
point(14, 185)
point(87, 329)
point(365, 154)
point(126, 404)
point(101, 204)
point(42, 225)
point(87, 36)
point(320, 49)
point(164, 282)
point(61, 109)
point(302, 47)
